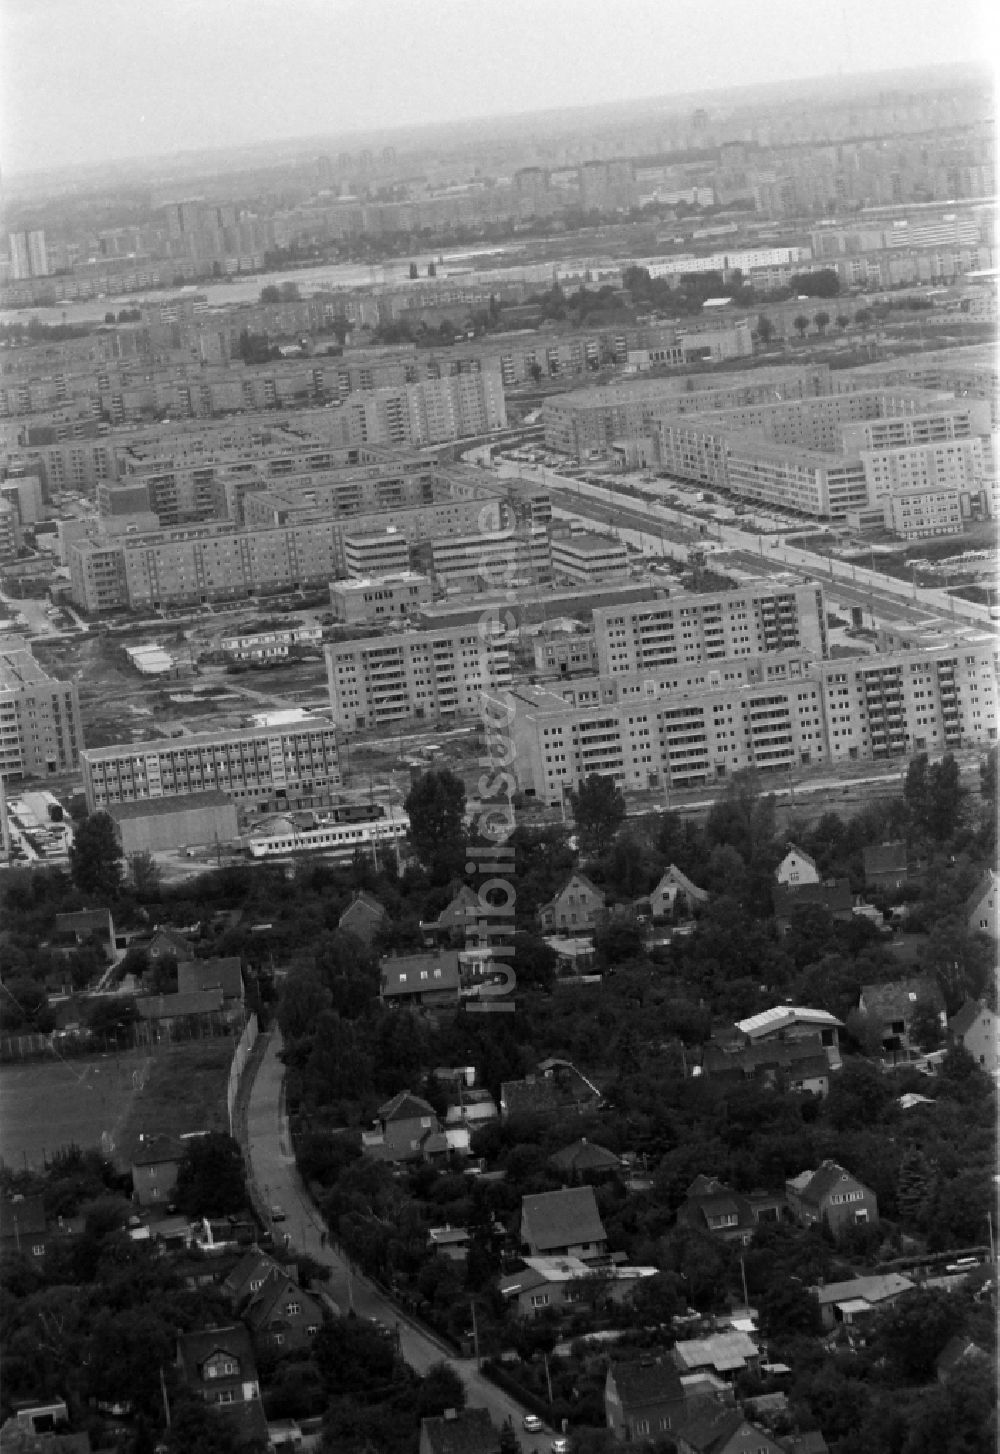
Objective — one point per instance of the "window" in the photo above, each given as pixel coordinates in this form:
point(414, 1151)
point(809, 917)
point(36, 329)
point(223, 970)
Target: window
point(540, 1300)
point(292, 1308)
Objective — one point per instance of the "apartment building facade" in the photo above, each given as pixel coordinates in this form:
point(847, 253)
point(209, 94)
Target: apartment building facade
point(40, 728)
point(421, 675)
point(692, 728)
point(379, 598)
point(587, 558)
point(265, 768)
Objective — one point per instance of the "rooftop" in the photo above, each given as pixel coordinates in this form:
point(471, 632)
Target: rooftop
point(780, 1017)
point(164, 807)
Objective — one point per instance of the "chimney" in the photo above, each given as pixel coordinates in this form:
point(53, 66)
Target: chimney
point(451, 1414)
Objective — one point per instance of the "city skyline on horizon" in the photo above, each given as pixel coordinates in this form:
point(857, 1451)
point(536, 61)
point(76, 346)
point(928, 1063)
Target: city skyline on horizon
point(271, 74)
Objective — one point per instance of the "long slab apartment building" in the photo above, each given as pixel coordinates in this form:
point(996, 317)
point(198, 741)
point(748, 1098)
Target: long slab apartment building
point(261, 768)
point(691, 690)
point(40, 731)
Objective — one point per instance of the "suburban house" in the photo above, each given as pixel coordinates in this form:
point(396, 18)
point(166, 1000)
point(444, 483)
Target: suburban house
point(891, 1007)
point(226, 974)
point(23, 1226)
point(281, 1315)
point(558, 1089)
point(724, 1354)
point(154, 1170)
point(559, 1284)
point(86, 926)
point(577, 906)
point(832, 1196)
point(834, 896)
point(981, 909)
point(675, 893)
point(885, 865)
point(794, 1023)
point(586, 1161)
point(449, 1242)
point(725, 1431)
point(711, 1206)
point(457, 923)
point(977, 1028)
point(166, 1013)
point(958, 1352)
point(563, 1223)
point(424, 980)
point(363, 917)
point(459, 1431)
point(248, 1277)
point(796, 869)
point(646, 1397)
point(401, 1130)
point(218, 1366)
point(469, 1104)
point(168, 943)
point(798, 1065)
point(851, 1302)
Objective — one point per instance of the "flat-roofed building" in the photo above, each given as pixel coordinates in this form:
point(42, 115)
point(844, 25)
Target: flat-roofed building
point(296, 765)
point(186, 821)
point(491, 560)
point(588, 558)
point(423, 675)
point(377, 553)
point(379, 598)
point(40, 729)
point(918, 512)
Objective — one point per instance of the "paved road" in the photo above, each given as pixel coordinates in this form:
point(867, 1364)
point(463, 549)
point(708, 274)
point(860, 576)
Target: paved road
point(272, 1166)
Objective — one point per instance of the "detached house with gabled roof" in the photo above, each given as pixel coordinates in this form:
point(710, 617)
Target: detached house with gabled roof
point(885, 865)
point(422, 980)
point(796, 868)
point(280, 1315)
point(223, 973)
point(155, 1163)
point(832, 1196)
point(402, 1129)
point(978, 1029)
point(563, 1222)
point(458, 922)
point(218, 1366)
point(576, 908)
point(363, 917)
point(712, 1206)
point(981, 908)
point(676, 893)
point(646, 1398)
point(891, 1007)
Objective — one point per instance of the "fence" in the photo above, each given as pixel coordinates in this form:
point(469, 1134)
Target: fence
point(241, 1055)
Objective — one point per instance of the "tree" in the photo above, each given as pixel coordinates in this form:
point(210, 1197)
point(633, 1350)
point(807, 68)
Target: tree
point(95, 859)
point(112, 1015)
point(210, 1177)
point(822, 321)
point(435, 805)
point(843, 321)
point(440, 1389)
point(413, 270)
point(270, 294)
point(934, 795)
point(535, 369)
point(765, 329)
point(801, 324)
point(145, 874)
point(598, 811)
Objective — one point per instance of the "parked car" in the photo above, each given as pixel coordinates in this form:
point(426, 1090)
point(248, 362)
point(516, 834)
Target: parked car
point(277, 1212)
point(533, 1424)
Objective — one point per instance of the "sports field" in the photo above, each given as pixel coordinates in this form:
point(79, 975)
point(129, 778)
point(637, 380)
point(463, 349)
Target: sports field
point(107, 1101)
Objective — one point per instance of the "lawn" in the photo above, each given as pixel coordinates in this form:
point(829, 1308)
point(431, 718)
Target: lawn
point(108, 1100)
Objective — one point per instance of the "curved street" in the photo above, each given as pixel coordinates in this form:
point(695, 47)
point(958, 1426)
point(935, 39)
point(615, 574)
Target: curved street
point(276, 1180)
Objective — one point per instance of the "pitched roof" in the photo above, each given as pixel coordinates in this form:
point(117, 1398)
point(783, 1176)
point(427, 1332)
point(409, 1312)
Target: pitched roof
point(898, 999)
point(585, 1155)
point(647, 1381)
point(813, 1186)
point(962, 1022)
point(575, 880)
point(169, 941)
point(884, 857)
point(401, 974)
point(835, 897)
point(551, 1219)
point(673, 876)
point(799, 853)
point(157, 1150)
point(167, 1007)
point(801, 1057)
point(265, 1305)
point(85, 921)
point(781, 1017)
point(21, 1216)
point(471, 1431)
point(711, 1428)
point(256, 1265)
point(458, 913)
point(986, 885)
point(405, 1107)
point(225, 973)
point(873, 1289)
point(194, 1350)
point(723, 1351)
point(364, 907)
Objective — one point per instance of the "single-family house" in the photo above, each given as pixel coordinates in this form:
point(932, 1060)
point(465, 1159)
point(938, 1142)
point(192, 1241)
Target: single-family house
point(834, 896)
point(402, 1129)
point(586, 1161)
point(281, 1315)
point(794, 1023)
point(449, 1242)
point(981, 908)
point(457, 923)
point(165, 1013)
point(224, 973)
point(218, 1366)
point(561, 1284)
point(558, 1089)
point(646, 1398)
point(977, 1028)
point(720, 1430)
point(23, 1226)
point(712, 1206)
point(564, 1222)
point(249, 1276)
point(422, 980)
point(459, 1431)
point(832, 1196)
point(364, 917)
point(796, 868)
point(851, 1302)
point(891, 1008)
point(724, 1354)
point(959, 1352)
point(168, 943)
point(676, 894)
point(577, 907)
point(795, 1065)
point(85, 926)
point(155, 1163)
point(885, 865)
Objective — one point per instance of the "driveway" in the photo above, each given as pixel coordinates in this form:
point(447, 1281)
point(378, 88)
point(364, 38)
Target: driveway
point(273, 1171)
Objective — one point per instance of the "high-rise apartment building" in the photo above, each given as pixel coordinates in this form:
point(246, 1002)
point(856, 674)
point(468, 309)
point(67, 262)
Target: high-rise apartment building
point(28, 254)
point(40, 732)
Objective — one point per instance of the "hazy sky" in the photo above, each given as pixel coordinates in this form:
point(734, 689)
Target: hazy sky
point(94, 80)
